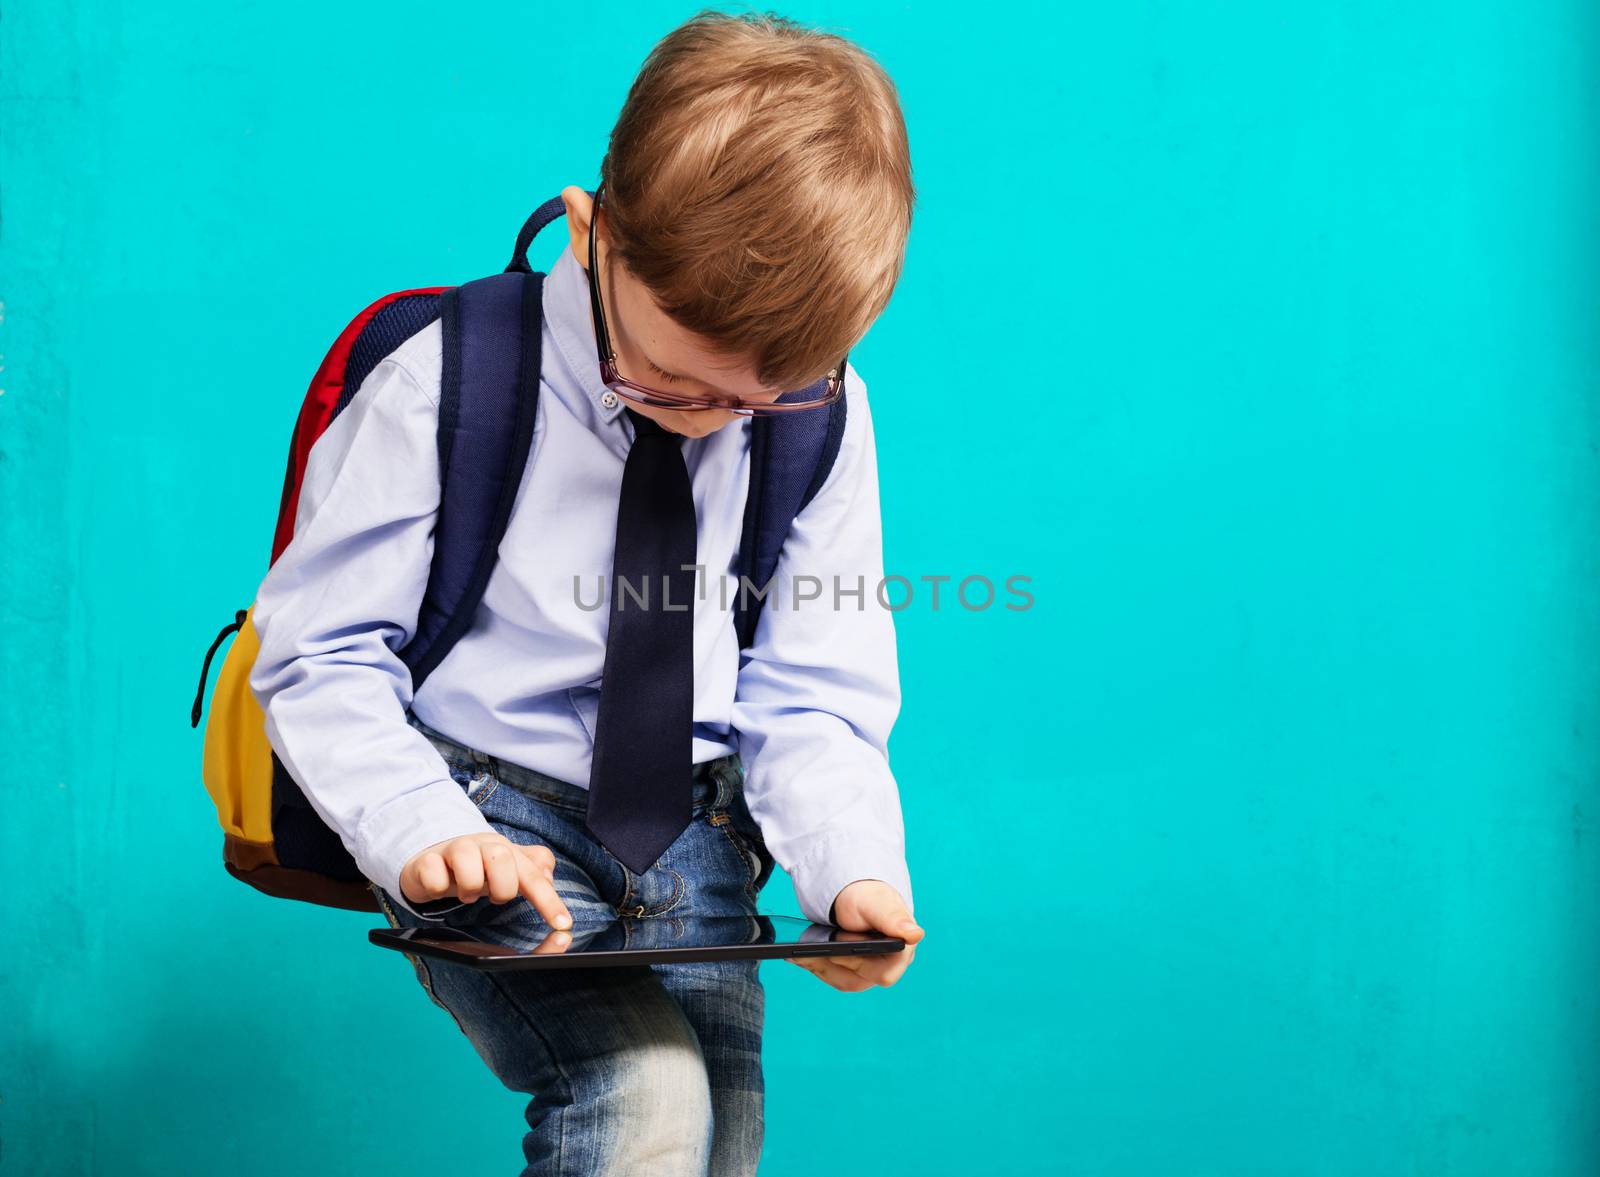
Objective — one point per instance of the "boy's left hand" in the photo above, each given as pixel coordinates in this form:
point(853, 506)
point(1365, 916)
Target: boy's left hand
point(867, 905)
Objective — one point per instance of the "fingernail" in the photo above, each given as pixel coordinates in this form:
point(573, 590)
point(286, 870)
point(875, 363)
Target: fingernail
point(563, 920)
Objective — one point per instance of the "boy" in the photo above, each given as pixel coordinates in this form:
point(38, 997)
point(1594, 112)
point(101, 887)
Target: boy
point(749, 227)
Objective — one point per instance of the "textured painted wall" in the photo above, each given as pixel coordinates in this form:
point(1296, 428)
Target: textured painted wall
point(1262, 336)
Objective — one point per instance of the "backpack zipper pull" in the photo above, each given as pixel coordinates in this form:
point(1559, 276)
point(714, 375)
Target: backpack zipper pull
point(205, 669)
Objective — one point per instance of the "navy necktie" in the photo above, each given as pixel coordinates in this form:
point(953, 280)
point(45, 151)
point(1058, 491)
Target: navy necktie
point(641, 776)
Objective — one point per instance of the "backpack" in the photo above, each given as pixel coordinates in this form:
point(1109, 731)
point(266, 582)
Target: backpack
point(492, 331)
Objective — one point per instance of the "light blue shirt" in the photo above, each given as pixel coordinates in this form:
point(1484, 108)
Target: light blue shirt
point(809, 706)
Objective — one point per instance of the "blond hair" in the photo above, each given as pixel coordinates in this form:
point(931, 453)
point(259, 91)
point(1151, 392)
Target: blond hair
point(758, 183)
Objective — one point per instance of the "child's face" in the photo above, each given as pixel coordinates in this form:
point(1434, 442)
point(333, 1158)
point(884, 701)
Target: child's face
point(653, 350)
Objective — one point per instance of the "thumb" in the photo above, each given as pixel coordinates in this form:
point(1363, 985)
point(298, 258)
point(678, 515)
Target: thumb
point(873, 905)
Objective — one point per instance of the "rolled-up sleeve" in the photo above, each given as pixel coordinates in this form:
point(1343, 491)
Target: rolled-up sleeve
point(819, 690)
point(334, 608)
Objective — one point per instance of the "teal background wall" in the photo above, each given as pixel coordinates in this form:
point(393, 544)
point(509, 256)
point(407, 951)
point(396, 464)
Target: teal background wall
point(1263, 337)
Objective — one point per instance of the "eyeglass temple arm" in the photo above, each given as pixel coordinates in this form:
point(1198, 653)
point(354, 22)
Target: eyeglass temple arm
point(602, 337)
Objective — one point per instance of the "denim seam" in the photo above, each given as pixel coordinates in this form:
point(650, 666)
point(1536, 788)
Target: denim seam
point(679, 890)
point(744, 855)
point(550, 1052)
point(424, 974)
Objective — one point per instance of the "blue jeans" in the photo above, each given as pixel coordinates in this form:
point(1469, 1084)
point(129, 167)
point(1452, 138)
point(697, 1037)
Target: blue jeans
point(646, 1069)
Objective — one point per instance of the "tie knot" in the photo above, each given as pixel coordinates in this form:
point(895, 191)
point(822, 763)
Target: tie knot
point(644, 427)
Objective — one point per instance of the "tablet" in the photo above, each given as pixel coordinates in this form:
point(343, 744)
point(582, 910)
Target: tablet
point(627, 940)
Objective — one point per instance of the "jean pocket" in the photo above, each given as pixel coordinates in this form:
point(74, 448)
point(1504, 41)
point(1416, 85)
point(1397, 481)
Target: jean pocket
point(745, 837)
point(475, 780)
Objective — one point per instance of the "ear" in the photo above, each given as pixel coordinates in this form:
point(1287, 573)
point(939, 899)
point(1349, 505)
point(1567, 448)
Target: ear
point(580, 215)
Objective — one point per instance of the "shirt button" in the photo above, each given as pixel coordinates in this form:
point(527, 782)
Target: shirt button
point(608, 399)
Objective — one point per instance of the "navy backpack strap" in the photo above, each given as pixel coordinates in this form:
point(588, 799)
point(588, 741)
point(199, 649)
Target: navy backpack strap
point(488, 398)
point(790, 458)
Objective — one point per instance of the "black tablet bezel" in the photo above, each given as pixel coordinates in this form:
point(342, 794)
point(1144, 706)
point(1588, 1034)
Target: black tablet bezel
point(496, 958)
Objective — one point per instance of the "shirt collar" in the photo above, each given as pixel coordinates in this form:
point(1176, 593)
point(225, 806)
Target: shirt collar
point(571, 320)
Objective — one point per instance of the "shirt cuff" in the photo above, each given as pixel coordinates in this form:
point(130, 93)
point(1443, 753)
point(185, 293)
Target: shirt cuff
point(391, 836)
point(834, 864)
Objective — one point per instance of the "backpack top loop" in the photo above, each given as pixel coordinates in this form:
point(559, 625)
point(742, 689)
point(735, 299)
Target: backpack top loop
point(542, 216)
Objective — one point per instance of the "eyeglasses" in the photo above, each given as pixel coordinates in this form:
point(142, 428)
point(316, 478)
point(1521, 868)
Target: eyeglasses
point(824, 392)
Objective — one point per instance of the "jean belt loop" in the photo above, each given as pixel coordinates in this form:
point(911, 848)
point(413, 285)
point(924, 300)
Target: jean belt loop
point(722, 797)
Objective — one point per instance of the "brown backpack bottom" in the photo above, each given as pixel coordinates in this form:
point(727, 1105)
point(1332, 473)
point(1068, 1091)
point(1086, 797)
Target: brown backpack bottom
point(255, 863)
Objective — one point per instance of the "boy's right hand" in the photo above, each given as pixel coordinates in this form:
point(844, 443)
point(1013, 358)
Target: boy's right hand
point(490, 864)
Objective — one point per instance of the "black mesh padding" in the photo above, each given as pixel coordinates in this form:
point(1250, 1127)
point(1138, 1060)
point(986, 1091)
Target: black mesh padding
point(300, 838)
point(387, 330)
